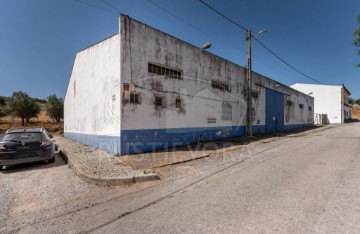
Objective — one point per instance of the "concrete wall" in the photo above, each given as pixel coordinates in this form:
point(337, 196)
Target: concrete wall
point(146, 127)
point(328, 100)
point(92, 100)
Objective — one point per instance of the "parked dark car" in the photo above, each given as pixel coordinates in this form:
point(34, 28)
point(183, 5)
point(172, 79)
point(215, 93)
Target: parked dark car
point(26, 145)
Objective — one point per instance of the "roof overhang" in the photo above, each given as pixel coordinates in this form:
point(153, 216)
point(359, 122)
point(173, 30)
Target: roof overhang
point(346, 90)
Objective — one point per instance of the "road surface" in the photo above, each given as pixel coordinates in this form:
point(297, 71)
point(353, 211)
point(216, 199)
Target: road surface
point(308, 183)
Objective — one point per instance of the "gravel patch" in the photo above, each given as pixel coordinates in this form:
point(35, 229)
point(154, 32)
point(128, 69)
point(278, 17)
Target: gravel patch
point(34, 191)
point(96, 162)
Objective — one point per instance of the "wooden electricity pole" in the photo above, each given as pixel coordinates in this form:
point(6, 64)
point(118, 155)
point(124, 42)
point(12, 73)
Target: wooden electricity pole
point(249, 86)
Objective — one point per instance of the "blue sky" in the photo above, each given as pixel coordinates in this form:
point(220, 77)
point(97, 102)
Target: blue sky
point(39, 38)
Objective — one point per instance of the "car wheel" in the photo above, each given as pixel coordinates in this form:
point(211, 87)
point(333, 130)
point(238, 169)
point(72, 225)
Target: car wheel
point(52, 160)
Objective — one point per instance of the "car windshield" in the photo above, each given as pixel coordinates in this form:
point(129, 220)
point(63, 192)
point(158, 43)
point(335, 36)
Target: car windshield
point(23, 136)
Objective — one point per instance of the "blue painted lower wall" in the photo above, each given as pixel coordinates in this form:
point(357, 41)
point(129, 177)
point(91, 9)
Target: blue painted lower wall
point(146, 140)
point(258, 129)
point(109, 144)
point(138, 141)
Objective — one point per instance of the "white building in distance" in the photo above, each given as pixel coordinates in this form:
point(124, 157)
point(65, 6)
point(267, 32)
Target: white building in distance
point(332, 100)
point(142, 90)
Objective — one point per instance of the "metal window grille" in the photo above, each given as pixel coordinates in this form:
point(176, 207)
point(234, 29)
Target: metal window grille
point(289, 103)
point(178, 103)
point(164, 71)
point(158, 102)
point(255, 94)
point(220, 85)
point(134, 98)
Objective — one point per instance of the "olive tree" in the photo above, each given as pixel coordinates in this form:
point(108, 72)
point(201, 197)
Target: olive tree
point(55, 107)
point(356, 41)
point(20, 104)
point(2, 107)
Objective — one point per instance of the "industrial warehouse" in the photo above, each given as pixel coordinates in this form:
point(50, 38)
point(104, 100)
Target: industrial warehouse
point(142, 90)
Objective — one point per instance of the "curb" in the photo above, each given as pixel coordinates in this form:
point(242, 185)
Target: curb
point(106, 181)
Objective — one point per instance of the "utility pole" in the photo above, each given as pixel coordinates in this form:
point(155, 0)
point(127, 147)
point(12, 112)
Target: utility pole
point(249, 86)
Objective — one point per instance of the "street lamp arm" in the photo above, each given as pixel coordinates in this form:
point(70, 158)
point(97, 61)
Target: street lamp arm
point(261, 32)
point(207, 45)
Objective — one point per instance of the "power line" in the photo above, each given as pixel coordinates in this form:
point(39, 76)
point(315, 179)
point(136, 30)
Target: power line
point(110, 5)
point(224, 16)
point(209, 35)
point(262, 44)
point(97, 7)
point(282, 60)
point(194, 27)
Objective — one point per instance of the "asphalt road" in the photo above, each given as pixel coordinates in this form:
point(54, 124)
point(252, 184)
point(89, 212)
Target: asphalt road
point(308, 183)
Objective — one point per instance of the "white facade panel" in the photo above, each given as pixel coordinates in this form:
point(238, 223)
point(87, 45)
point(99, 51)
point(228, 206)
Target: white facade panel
point(329, 100)
point(92, 101)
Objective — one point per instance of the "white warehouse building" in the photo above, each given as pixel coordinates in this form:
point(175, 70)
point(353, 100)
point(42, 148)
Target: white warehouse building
point(142, 90)
point(331, 100)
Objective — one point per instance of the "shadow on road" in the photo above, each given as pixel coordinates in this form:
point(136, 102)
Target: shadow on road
point(33, 166)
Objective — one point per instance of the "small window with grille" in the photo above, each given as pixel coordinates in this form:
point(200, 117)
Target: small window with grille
point(158, 102)
point(134, 98)
point(164, 71)
point(255, 94)
point(178, 103)
point(220, 85)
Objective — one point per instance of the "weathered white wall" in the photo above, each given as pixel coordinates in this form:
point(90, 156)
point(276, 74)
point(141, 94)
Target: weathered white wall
point(142, 44)
point(328, 99)
point(92, 101)
point(294, 113)
point(99, 110)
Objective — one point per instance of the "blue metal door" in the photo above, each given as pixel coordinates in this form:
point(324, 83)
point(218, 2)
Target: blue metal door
point(274, 111)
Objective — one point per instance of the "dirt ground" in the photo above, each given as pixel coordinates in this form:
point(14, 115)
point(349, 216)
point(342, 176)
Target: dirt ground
point(42, 121)
point(356, 112)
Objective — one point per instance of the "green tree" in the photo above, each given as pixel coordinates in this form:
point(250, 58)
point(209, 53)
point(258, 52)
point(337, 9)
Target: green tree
point(55, 107)
point(33, 110)
point(357, 38)
point(2, 107)
point(354, 101)
point(20, 104)
point(2, 100)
